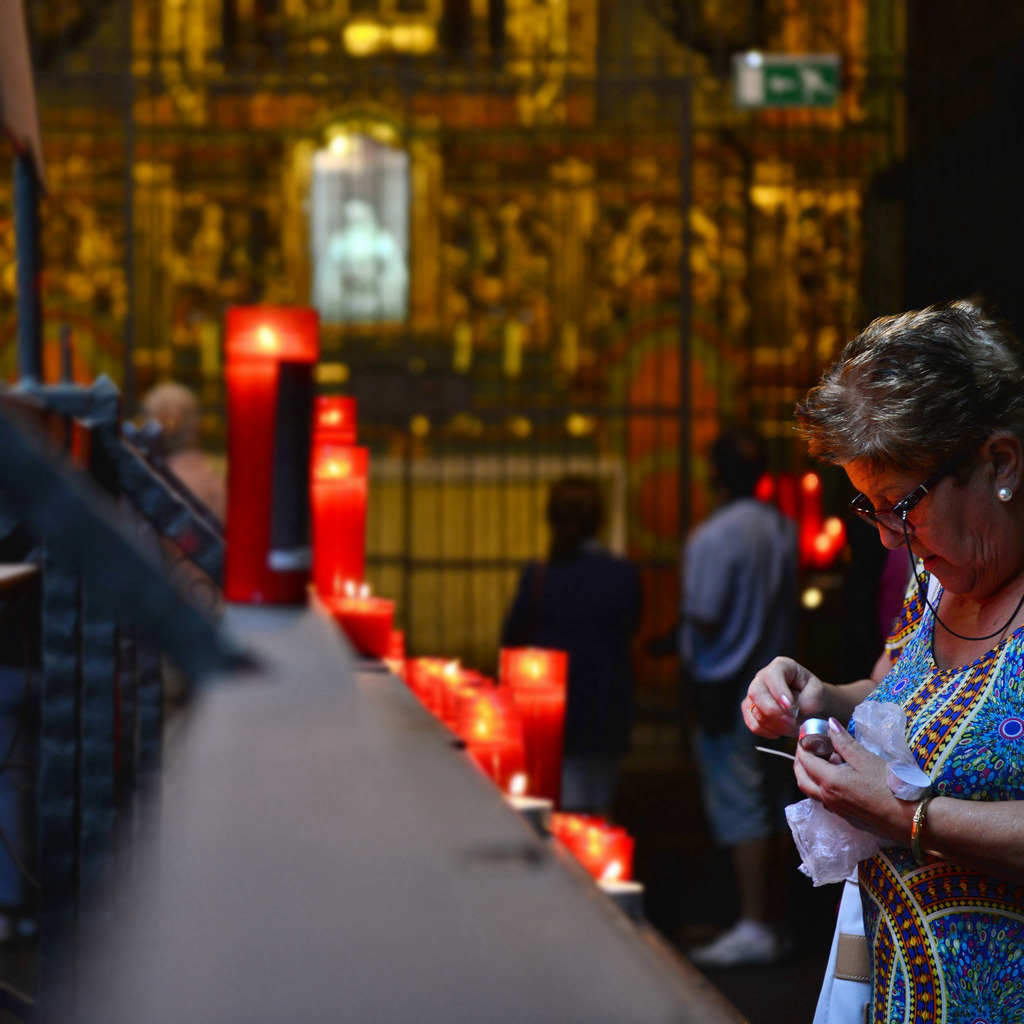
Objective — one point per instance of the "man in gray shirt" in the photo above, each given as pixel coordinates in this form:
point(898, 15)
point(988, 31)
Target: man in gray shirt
point(739, 610)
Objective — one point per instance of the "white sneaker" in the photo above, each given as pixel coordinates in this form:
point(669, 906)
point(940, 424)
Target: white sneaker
point(746, 943)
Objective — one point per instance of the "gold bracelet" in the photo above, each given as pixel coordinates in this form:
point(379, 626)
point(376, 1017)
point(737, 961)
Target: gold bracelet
point(917, 827)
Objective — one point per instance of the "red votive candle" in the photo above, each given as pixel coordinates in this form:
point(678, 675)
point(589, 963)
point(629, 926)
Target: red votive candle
point(604, 850)
point(334, 419)
point(488, 722)
point(258, 339)
point(338, 499)
point(454, 681)
point(366, 620)
point(536, 678)
point(424, 679)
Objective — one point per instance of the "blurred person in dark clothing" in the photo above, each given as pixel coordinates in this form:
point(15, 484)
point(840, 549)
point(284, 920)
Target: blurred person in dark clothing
point(585, 601)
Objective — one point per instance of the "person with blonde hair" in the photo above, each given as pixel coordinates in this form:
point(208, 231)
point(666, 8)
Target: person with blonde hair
point(176, 408)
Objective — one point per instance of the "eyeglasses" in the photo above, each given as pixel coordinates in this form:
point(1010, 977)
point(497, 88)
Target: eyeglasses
point(895, 518)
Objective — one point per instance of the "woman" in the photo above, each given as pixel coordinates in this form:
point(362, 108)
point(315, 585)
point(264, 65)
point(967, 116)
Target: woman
point(925, 413)
point(585, 601)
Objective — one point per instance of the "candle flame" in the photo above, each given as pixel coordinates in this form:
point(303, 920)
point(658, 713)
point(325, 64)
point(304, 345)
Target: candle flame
point(330, 417)
point(337, 468)
point(517, 784)
point(353, 589)
point(613, 872)
point(267, 339)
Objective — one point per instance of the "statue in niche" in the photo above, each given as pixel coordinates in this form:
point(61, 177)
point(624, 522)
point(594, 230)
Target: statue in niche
point(362, 277)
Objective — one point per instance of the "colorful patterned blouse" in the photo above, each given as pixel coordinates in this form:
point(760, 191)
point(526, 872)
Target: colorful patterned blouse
point(946, 942)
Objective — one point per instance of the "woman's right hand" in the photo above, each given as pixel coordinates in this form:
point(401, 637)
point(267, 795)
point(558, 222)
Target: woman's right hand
point(781, 695)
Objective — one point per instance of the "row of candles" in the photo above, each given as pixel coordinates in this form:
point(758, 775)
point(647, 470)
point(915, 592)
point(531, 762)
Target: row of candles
point(512, 729)
point(271, 353)
point(339, 485)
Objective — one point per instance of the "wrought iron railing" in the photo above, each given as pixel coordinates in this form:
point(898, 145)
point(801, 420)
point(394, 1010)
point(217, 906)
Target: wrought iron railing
point(86, 494)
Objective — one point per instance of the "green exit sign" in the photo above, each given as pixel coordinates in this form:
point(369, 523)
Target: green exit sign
point(785, 80)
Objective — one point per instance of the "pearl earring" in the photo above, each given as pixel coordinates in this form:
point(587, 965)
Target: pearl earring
point(1004, 494)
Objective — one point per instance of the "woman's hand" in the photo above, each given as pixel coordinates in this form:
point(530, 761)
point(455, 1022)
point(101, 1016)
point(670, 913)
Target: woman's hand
point(781, 694)
point(852, 784)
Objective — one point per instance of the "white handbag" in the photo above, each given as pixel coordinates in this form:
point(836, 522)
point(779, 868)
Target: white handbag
point(846, 990)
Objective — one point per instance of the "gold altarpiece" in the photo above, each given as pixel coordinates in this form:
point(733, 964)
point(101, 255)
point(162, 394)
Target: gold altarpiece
point(585, 204)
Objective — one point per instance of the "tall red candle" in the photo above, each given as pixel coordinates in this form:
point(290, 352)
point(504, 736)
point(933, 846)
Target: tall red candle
point(543, 714)
point(258, 339)
point(338, 498)
point(810, 519)
point(536, 677)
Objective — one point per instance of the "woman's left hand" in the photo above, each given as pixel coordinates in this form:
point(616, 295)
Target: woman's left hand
point(853, 785)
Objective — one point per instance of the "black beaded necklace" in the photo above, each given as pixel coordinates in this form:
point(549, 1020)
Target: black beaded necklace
point(922, 591)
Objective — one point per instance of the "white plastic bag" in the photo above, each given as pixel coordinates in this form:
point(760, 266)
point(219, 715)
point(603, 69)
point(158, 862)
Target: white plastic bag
point(882, 728)
point(831, 847)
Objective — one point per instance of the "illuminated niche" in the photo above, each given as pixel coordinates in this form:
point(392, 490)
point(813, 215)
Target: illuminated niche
point(359, 231)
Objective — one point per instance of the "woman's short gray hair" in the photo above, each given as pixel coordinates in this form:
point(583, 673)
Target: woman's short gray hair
point(916, 391)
